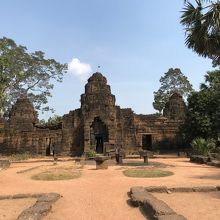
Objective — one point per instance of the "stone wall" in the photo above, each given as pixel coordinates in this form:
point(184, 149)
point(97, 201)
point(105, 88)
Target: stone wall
point(96, 124)
point(162, 130)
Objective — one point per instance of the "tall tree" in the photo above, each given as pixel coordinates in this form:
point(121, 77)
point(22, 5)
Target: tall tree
point(202, 24)
point(30, 73)
point(212, 80)
point(203, 116)
point(53, 120)
point(172, 81)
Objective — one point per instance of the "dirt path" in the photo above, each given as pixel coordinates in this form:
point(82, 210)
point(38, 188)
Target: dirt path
point(102, 194)
point(10, 209)
point(200, 206)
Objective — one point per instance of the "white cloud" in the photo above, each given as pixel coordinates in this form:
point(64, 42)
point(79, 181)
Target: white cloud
point(79, 69)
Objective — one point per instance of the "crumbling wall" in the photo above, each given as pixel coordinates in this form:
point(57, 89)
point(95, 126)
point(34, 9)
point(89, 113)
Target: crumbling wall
point(162, 130)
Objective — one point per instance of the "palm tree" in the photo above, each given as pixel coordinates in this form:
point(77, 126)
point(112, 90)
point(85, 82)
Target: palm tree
point(202, 24)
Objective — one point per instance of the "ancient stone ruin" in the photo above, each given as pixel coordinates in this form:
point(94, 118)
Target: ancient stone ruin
point(97, 125)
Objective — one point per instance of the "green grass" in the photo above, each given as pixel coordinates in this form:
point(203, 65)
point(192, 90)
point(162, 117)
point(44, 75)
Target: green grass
point(134, 164)
point(59, 173)
point(19, 157)
point(143, 173)
point(142, 164)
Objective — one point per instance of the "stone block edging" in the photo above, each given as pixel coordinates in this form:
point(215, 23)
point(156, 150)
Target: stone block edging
point(41, 208)
point(4, 164)
point(155, 208)
point(164, 189)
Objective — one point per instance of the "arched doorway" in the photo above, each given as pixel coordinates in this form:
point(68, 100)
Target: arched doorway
point(99, 134)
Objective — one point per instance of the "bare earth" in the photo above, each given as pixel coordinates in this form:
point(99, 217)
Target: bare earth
point(102, 194)
point(10, 209)
point(194, 206)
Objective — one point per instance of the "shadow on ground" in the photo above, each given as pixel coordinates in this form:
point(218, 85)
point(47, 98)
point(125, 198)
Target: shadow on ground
point(213, 176)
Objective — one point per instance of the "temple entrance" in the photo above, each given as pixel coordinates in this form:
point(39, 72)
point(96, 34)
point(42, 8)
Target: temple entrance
point(48, 143)
point(147, 142)
point(50, 147)
point(99, 135)
point(99, 144)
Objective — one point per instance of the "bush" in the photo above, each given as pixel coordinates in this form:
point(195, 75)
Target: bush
point(91, 153)
point(203, 147)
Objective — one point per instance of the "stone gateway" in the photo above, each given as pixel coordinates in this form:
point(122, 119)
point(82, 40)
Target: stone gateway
point(98, 125)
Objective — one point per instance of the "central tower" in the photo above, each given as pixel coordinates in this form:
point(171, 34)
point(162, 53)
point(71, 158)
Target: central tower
point(99, 113)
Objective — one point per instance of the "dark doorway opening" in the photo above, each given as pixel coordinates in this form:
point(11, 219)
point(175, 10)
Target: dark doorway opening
point(147, 142)
point(99, 144)
point(48, 142)
point(99, 135)
point(49, 146)
point(48, 151)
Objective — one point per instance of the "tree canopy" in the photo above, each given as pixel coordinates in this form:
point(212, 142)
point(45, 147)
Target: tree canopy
point(53, 120)
point(201, 20)
point(22, 72)
point(203, 116)
point(172, 81)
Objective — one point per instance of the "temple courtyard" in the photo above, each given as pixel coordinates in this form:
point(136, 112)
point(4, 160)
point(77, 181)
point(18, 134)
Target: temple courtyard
point(90, 194)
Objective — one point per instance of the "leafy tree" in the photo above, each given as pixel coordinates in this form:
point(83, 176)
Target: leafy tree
point(212, 80)
point(172, 81)
point(203, 116)
point(202, 24)
point(54, 120)
point(26, 73)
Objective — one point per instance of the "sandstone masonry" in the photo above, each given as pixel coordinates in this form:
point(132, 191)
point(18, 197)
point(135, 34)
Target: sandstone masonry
point(97, 125)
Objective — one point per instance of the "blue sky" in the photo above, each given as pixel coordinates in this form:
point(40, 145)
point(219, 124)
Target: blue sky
point(134, 41)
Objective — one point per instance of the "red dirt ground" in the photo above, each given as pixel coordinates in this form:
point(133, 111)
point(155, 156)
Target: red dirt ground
point(102, 194)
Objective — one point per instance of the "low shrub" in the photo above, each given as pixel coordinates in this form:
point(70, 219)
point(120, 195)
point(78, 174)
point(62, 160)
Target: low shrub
point(91, 153)
point(203, 147)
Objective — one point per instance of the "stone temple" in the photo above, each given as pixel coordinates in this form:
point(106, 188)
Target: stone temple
point(97, 125)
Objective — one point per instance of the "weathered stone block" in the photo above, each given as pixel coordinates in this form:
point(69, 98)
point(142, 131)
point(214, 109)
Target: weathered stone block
point(157, 189)
point(171, 217)
point(4, 164)
point(204, 188)
point(101, 162)
point(181, 189)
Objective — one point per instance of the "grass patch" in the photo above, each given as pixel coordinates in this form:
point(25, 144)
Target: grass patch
point(142, 164)
point(19, 157)
point(143, 173)
point(134, 164)
point(58, 173)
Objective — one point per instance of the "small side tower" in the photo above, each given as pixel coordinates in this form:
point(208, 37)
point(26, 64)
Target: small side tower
point(23, 115)
point(175, 108)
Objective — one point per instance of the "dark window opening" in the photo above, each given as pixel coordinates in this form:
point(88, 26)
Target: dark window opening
point(147, 142)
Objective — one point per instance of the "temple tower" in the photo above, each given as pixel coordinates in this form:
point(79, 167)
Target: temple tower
point(175, 108)
point(23, 115)
point(99, 113)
